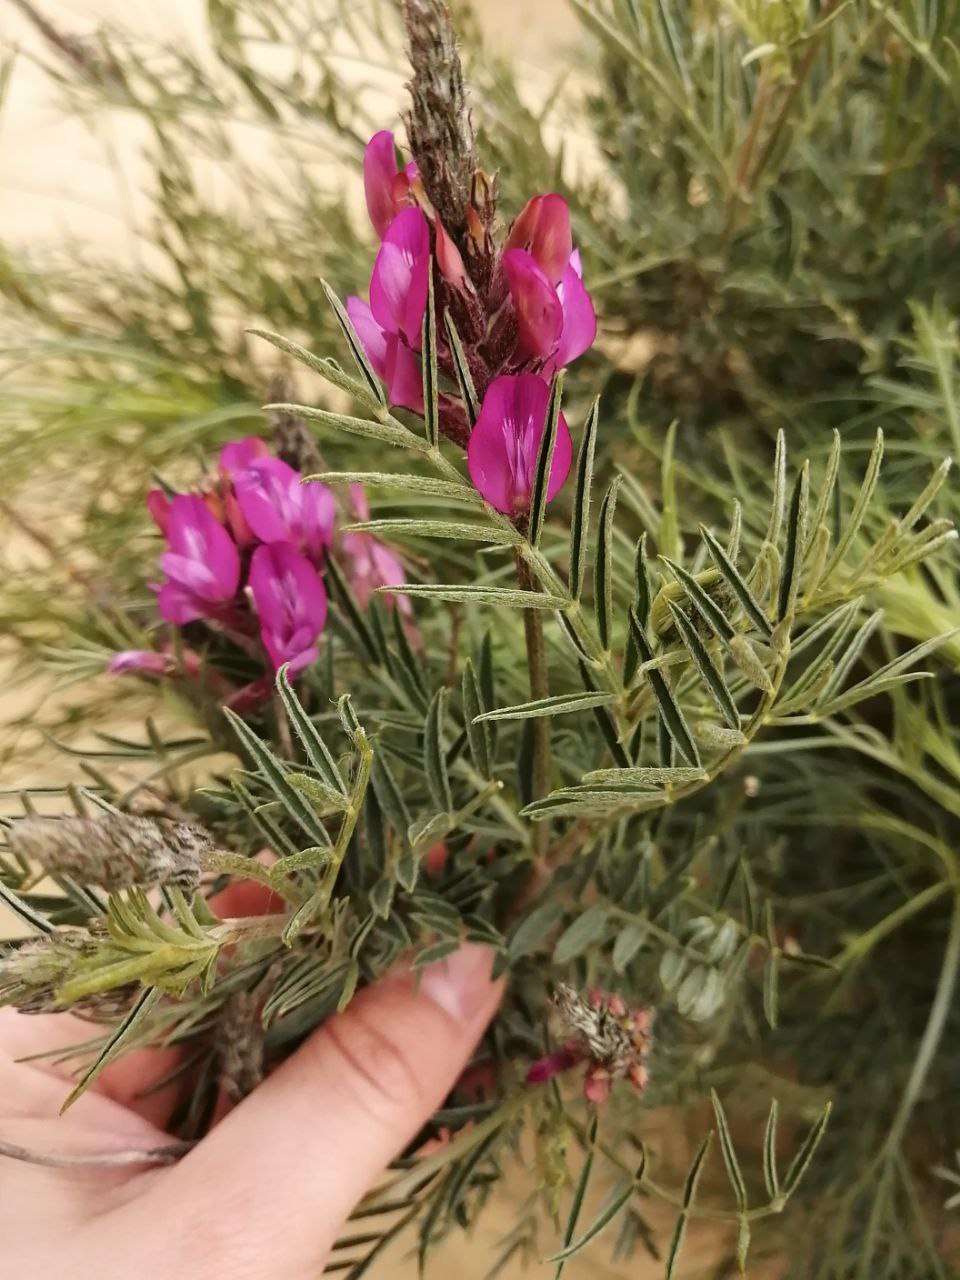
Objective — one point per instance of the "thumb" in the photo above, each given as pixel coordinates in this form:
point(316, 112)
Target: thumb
point(277, 1178)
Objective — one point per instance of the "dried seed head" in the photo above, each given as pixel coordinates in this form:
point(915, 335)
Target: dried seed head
point(614, 1041)
point(439, 128)
point(31, 973)
point(114, 851)
point(240, 1045)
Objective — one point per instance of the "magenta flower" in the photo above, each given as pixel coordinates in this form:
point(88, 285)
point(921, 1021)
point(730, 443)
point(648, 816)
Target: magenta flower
point(239, 454)
point(542, 229)
point(400, 280)
point(392, 361)
point(291, 602)
point(386, 186)
point(502, 453)
point(389, 327)
point(537, 304)
point(142, 662)
point(372, 564)
point(202, 564)
point(278, 507)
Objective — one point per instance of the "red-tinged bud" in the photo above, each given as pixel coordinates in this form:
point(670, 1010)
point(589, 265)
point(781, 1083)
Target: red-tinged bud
point(158, 504)
point(476, 228)
point(450, 261)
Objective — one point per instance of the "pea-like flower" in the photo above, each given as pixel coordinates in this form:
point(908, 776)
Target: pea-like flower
point(504, 443)
point(278, 507)
point(389, 325)
point(291, 603)
point(386, 186)
point(202, 564)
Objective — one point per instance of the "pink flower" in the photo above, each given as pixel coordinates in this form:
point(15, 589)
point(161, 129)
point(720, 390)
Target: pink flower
point(502, 453)
point(542, 228)
point(202, 564)
point(278, 507)
point(537, 304)
point(386, 186)
point(372, 565)
point(391, 360)
point(291, 602)
point(400, 280)
point(239, 454)
point(158, 504)
point(142, 662)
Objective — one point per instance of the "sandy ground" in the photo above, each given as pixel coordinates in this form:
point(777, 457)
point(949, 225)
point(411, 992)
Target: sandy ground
point(54, 184)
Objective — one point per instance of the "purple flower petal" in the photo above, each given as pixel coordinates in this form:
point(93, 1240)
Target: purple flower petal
point(239, 454)
point(202, 558)
point(538, 308)
point(371, 335)
point(291, 602)
point(268, 494)
point(400, 280)
point(579, 318)
point(144, 662)
point(543, 228)
point(379, 171)
point(502, 453)
point(404, 379)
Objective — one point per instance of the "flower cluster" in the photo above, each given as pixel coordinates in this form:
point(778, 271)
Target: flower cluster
point(246, 555)
point(600, 1030)
point(521, 310)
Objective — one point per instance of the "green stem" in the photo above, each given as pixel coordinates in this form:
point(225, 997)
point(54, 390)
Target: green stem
point(539, 689)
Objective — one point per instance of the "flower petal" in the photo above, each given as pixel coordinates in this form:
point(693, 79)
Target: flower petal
point(379, 171)
point(291, 602)
point(403, 376)
point(371, 335)
point(579, 318)
point(239, 454)
point(400, 280)
point(539, 312)
point(196, 538)
point(268, 493)
point(543, 228)
point(502, 453)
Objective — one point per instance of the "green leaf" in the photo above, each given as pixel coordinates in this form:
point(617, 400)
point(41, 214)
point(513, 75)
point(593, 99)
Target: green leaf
point(431, 379)
point(743, 1244)
point(673, 718)
point(709, 672)
point(628, 943)
point(434, 756)
point(779, 491)
point(668, 531)
point(272, 833)
point(557, 705)
point(889, 675)
point(579, 1193)
point(327, 369)
point(828, 483)
point(389, 796)
point(347, 601)
point(729, 1153)
point(707, 608)
point(402, 484)
point(770, 1176)
point(689, 1192)
point(275, 775)
point(390, 432)
point(310, 738)
point(645, 777)
point(737, 584)
point(436, 952)
point(603, 565)
point(617, 1202)
point(531, 931)
point(581, 933)
point(326, 799)
point(460, 531)
point(580, 520)
point(481, 748)
point(544, 466)
point(483, 595)
point(852, 527)
point(461, 368)
point(356, 346)
point(796, 541)
point(801, 1160)
point(771, 989)
point(117, 1042)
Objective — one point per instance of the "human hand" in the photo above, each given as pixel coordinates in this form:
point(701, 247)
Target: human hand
point(264, 1195)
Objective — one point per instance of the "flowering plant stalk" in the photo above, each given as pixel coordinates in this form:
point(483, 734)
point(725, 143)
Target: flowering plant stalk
point(496, 679)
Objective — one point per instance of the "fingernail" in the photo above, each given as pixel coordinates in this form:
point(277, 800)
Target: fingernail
point(460, 984)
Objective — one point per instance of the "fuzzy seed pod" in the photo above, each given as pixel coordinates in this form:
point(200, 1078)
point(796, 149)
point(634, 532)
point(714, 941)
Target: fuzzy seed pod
point(114, 851)
point(438, 125)
point(240, 1045)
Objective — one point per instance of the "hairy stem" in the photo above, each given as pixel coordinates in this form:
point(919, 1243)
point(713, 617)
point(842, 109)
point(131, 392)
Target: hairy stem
point(539, 688)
